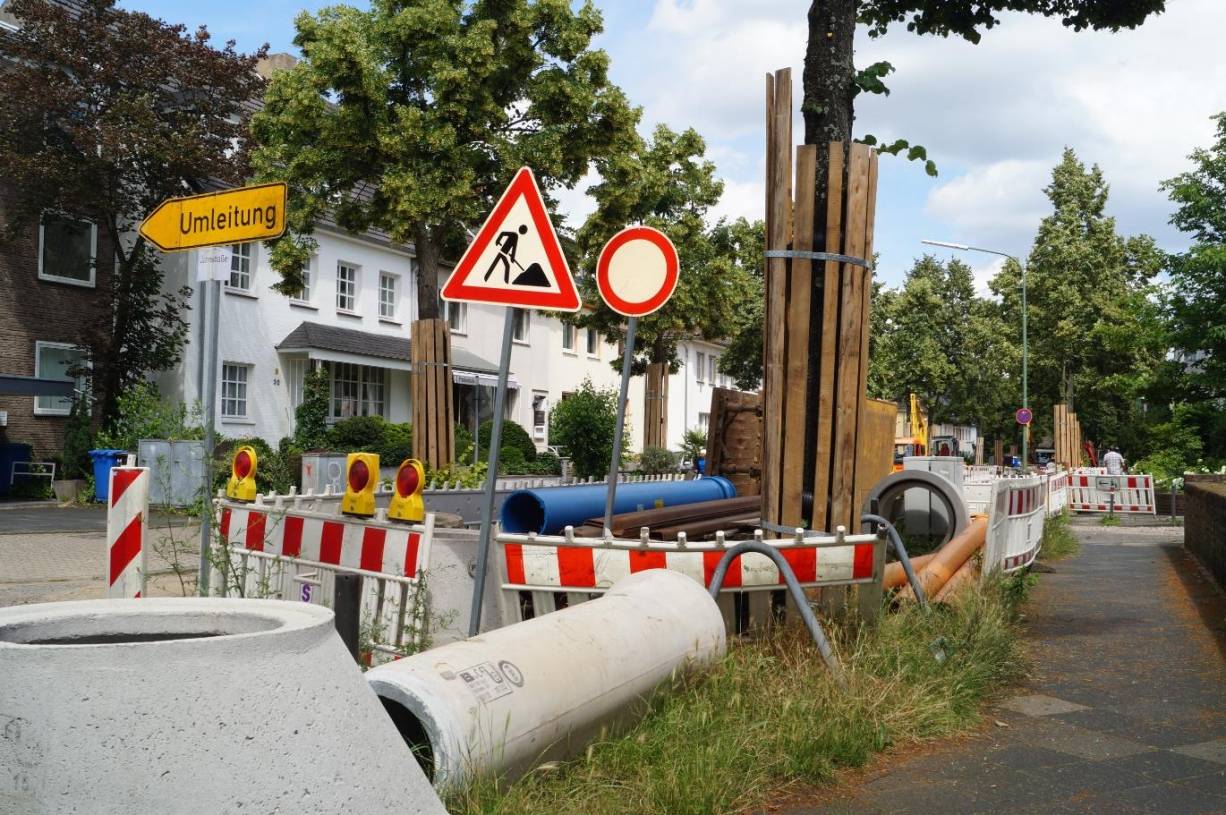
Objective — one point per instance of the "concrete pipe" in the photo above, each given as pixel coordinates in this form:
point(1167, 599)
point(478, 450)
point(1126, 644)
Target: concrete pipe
point(193, 706)
point(889, 495)
point(500, 703)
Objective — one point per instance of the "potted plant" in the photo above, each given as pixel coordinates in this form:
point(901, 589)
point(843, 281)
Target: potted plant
point(78, 439)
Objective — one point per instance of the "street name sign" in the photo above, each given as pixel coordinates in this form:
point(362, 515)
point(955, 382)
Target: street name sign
point(515, 259)
point(217, 218)
point(637, 271)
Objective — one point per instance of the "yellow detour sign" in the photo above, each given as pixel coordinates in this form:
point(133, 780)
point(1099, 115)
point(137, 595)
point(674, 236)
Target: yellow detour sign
point(217, 218)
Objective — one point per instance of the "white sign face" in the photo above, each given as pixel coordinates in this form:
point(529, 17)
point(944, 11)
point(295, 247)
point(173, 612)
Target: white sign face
point(637, 271)
point(213, 263)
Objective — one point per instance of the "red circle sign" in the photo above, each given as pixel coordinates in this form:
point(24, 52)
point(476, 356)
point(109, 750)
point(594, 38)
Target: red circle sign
point(1024, 416)
point(637, 271)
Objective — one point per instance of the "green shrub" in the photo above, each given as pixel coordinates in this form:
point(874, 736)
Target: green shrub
point(583, 424)
point(311, 417)
point(276, 470)
point(78, 441)
point(511, 461)
point(657, 460)
point(513, 435)
point(357, 434)
point(463, 439)
point(144, 414)
point(547, 463)
point(693, 445)
point(396, 445)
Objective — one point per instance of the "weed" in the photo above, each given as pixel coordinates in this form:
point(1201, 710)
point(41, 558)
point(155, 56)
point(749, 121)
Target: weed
point(770, 716)
point(1109, 520)
point(1059, 542)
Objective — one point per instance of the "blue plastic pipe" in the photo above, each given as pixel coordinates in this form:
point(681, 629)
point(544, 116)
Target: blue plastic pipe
point(549, 510)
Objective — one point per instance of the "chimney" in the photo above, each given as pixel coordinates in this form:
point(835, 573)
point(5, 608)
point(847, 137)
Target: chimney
point(272, 63)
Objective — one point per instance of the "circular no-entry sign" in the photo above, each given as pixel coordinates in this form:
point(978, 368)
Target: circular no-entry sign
point(1024, 416)
point(637, 271)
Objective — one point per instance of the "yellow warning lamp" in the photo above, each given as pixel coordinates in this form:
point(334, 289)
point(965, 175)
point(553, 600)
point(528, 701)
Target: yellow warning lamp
point(241, 486)
point(407, 503)
point(361, 478)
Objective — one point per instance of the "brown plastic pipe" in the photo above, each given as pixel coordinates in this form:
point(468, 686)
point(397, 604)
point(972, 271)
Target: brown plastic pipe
point(950, 557)
point(895, 577)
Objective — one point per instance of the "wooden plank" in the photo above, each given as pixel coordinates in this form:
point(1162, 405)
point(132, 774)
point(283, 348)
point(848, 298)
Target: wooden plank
point(998, 453)
point(863, 482)
point(734, 439)
point(431, 377)
point(851, 318)
point(874, 447)
point(797, 352)
point(829, 342)
point(780, 209)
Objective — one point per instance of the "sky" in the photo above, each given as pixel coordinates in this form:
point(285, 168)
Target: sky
point(994, 116)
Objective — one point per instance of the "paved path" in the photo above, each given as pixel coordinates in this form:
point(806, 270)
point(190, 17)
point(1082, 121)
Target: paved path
point(1125, 711)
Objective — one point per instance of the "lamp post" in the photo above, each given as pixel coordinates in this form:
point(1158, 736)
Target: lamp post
point(962, 247)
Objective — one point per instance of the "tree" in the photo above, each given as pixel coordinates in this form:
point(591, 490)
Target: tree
point(103, 114)
point(666, 183)
point(311, 416)
point(412, 116)
point(1096, 338)
point(582, 424)
point(744, 243)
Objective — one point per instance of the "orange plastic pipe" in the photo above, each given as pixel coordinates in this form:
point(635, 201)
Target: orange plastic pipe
point(950, 557)
point(896, 577)
point(966, 573)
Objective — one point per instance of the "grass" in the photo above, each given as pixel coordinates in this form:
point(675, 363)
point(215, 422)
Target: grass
point(770, 717)
point(1059, 542)
point(1109, 520)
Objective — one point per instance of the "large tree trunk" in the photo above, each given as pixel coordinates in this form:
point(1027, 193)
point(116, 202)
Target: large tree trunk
point(655, 400)
point(428, 270)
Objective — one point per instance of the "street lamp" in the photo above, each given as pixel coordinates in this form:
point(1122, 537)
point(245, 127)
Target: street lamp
point(962, 247)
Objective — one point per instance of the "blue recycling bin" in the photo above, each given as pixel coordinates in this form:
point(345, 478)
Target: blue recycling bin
point(103, 461)
point(701, 465)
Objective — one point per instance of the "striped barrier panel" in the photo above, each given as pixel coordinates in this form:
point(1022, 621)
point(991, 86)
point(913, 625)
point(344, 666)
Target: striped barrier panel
point(1092, 491)
point(547, 565)
point(1015, 524)
point(283, 552)
point(1057, 485)
point(127, 531)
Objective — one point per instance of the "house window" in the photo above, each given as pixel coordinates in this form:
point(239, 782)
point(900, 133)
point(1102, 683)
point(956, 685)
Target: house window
point(357, 390)
point(234, 390)
point(53, 360)
point(456, 315)
point(346, 287)
point(240, 266)
point(712, 363)
point(519, 329)
point(568, 336)
point(540, 408)
point(704, 419)
point(67, 249)
point(593, 342)
point(387, 296)
point(700, 366)
point(303, 295)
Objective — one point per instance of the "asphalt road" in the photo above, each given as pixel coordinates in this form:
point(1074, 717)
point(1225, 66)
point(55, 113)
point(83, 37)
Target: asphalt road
point(41, 520)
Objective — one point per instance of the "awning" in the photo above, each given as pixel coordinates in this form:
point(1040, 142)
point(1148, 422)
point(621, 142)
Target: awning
point(335, 344)
point(13, 385)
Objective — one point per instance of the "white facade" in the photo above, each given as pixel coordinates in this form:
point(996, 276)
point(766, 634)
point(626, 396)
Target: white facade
point(362, 284)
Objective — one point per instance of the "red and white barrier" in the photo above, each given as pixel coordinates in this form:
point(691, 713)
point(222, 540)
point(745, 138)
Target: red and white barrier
point(127, 531)
point(1015, 524)
point(1093, 491)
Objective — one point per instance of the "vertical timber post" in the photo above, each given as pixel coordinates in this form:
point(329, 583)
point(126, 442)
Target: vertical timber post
point(432, 393)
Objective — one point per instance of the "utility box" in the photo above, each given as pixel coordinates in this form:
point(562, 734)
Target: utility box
point(176, 470)
point(321, 470)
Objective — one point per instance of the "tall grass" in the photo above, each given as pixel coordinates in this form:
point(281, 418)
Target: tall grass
point(770, 716)
point(1059, 542)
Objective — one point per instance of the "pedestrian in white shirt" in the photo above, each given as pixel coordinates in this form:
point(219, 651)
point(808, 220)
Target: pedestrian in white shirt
point(1114, 462)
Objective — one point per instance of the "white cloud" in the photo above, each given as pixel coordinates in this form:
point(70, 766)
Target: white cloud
point(994, 201)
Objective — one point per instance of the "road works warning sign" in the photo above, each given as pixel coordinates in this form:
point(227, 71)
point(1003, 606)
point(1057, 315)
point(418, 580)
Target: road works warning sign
point(217, 218)
point(516, 259)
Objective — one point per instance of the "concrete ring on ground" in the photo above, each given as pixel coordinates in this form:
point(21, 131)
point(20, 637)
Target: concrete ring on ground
point(194, 705)
point(890, 490)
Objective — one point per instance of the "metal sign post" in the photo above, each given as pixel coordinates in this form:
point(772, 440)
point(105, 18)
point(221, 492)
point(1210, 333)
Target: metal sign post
point(211, 265)
point(491, 478)
point(619, 428)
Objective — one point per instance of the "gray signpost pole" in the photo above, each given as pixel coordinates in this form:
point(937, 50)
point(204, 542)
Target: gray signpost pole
point(619, 428)
point(491, 478)
point(209, 397)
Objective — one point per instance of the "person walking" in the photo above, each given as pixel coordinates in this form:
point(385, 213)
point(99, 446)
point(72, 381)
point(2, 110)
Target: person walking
point(1114, 462)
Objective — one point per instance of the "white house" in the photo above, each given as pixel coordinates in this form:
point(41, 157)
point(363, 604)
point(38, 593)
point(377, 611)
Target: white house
point(353, 318)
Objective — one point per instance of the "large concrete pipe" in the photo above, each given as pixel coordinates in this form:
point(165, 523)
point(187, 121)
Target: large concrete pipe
point(193, 706)
point(549, 510)
point(500, 703)
point(942, 501)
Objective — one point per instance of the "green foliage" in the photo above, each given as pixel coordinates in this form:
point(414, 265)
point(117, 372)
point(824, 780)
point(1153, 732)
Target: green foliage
point(583, 425)
point(513, 435)
point(412, 119)
point(964, 20)
point(463, 439)
point(466, 476)
point(373, 434)
point(1178, 447)
point(142, 413)
point(657, 460)
point(693, 444)
point(744, 242)
point(311, 417)
point(1058, 542)
point(276, 469)
point(78, 440)
point(770, 717)
point(511, 461)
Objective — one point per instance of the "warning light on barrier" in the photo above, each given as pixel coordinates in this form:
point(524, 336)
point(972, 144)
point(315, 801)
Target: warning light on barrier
point(241, 486)
point(407, 503)
point(361, 478)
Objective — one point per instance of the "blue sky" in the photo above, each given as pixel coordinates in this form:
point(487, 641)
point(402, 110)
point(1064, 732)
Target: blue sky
point(995, 117)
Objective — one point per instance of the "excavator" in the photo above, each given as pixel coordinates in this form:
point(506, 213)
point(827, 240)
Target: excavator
point(916, 443)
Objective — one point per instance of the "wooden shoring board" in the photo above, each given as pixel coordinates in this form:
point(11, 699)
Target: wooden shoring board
point(734, 439)
point(779, 185)
point(829, 343)
point(863, 481)
point(431, 391)
point(800, 288)
point(998, 453)
point(655, 396)
point(851, 324)
point(874, 447)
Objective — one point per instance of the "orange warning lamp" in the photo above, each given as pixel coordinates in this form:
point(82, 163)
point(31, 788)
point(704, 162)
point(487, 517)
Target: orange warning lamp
point(241, 486)
point(407, 503)
point(361, 478)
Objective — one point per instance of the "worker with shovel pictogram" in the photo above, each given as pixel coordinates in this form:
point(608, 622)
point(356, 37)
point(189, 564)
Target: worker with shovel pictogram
point(508, 245)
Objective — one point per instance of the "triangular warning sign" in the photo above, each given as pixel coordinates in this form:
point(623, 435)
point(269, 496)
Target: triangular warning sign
point(516, 259)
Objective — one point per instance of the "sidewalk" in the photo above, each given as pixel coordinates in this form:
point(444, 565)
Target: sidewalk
point(1125, 711)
